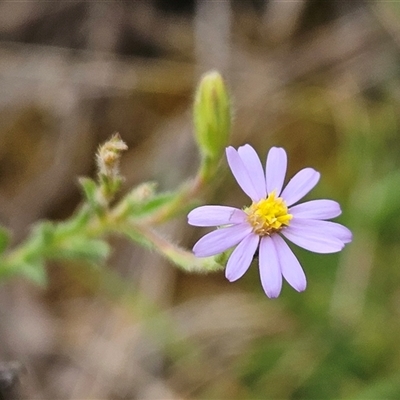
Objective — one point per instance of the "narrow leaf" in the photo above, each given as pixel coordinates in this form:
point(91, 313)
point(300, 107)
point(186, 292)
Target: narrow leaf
point(35, 271)
point(89, 187)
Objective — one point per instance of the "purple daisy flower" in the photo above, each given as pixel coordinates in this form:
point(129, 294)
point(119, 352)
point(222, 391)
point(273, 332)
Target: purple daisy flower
point(271, 215)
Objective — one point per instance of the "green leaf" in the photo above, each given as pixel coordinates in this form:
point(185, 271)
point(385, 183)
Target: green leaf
point(151, 205)
point(6, 270)
point(4, 238)
point(75, 224)
point(94, 251)
point(41, 239)
point(35, 271)
point(89, 187)
point(44, 231)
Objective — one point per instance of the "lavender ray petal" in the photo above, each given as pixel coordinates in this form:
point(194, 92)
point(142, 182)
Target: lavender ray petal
point(323, 228)
point(254, 169)
point(221, 240)
point(216, 215)
point(270, 271)
point(240, 173)
point(316, 243)
point(316, 209)
point(290, 266)
point(300, 185)
point(276, 169)
point(241, 257)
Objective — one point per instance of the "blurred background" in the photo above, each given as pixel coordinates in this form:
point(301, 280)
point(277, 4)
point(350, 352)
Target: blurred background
point(320, 78)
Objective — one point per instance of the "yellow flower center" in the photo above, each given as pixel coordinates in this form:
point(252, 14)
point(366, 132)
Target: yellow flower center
point(268, 215)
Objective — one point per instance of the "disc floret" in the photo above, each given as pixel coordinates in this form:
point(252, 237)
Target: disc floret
point(268, 215)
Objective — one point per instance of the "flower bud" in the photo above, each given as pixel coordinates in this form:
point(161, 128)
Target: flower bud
point(108, 156)
point(212, 116)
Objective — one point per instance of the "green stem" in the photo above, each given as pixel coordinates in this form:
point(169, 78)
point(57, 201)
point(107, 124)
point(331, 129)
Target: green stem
point(180, 257)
